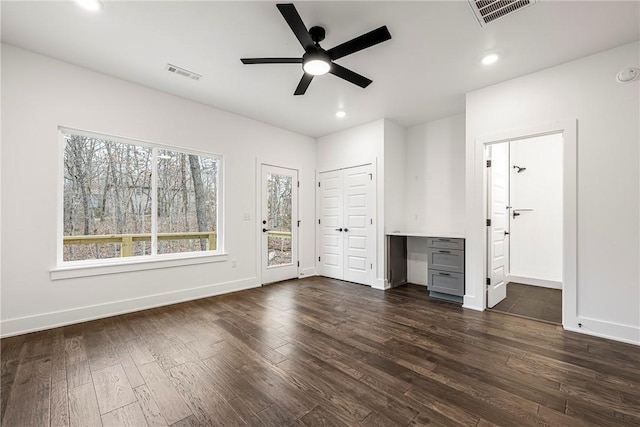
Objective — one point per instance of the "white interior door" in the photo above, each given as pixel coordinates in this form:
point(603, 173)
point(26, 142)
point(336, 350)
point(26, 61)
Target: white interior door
point(358, 224)
point(346, 229)
point(498, 213)
point(331, 224)
point(279, 224)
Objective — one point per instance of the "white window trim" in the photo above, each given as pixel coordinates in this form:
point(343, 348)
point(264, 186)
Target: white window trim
point(97, 267)
point(74, 269)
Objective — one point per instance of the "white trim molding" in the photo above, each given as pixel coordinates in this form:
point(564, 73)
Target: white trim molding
point(39, 322)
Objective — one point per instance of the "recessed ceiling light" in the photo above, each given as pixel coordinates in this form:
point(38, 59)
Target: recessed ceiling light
point(92, 5)
point(490, 58)
point(340, 114)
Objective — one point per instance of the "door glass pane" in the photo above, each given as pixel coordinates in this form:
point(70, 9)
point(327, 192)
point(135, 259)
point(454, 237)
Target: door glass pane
point(279, 188)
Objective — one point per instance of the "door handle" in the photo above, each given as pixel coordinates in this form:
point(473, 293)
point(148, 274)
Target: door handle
point(516, 212)
point(346, 229)
point(264, 230)
point(338, 229)
point(506, 233)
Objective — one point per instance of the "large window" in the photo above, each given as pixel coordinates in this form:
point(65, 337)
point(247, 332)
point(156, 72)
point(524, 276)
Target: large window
point(122, 198)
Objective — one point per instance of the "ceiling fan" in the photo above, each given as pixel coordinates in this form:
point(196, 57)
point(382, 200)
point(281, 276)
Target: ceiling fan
point(316, 61)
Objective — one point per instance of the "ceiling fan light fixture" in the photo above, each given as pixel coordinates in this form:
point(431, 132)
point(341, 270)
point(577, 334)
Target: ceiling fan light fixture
point(317, 67)
point(316, 63)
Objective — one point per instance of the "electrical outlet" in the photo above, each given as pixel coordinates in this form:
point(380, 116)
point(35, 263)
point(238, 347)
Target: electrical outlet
point(234, 263)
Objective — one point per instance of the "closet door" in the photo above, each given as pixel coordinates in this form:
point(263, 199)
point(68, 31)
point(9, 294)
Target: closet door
point(331, 224)
point(358, 224)
point(346, 230)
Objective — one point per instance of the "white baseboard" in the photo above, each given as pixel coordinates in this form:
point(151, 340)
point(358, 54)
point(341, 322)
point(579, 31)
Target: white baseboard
point(307, 272)
point(472, 303)
point(534, 282)
point(381, 284)
point(39, 322)
point(608, 330)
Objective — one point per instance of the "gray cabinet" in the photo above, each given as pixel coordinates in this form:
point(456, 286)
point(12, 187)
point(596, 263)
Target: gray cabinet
point(445, 268)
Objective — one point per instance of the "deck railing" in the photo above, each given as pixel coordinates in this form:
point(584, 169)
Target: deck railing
point(126, 240)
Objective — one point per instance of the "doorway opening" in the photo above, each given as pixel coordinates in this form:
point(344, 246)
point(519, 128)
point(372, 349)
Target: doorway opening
point(525, 227)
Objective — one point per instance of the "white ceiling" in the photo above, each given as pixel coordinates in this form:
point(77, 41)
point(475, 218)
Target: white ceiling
point(421, 74)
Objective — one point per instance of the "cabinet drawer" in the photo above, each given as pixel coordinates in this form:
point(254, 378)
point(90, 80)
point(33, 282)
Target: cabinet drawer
point(445, 243)
point(446, 282)
point(445, 259)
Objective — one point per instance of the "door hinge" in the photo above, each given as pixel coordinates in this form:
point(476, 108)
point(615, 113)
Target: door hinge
point(299, 223)
point(488, 163)
point(371, 177)
point(371, 266)
point(318, 183)
point(488, 223)
point(318, 259)
point(488, 281)
point(371, 221)
point(298, 184)
point(318, 221)
point(298, 263)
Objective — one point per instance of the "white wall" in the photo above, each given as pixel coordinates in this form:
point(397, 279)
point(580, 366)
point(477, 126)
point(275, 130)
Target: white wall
point(434, 192)
point(536, 236)
point(394, 176)
point(435, 176)
point(608, 220)
point(38, 95)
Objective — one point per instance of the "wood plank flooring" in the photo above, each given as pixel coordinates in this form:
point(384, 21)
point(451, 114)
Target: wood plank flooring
point(317, 352)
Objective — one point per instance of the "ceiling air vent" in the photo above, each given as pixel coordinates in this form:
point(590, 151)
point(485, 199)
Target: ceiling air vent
point(487, 11)
point(182, 72)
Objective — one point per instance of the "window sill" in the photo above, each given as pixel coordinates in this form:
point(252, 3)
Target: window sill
point(142, 263)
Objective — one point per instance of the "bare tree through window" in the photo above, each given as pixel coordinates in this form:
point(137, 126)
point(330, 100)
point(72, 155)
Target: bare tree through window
point(109, 199)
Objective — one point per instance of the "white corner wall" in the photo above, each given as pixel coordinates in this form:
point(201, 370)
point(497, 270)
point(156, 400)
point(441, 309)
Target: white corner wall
point(435, 176)
point(608, 182)
point(38, 95)
point(394, 176)
point(435, 187)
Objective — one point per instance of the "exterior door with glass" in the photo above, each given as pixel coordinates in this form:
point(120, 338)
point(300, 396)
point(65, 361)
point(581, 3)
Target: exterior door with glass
point(279, 224)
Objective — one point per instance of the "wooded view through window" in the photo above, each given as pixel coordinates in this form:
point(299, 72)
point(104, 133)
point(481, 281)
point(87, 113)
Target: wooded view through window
point(114, 205)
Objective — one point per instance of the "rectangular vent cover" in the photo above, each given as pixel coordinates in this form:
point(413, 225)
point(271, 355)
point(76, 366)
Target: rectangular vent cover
point(487, 11)
point(182, 72)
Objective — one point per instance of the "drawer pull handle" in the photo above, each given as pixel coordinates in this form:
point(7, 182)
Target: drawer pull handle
point(444, 252)
point(444, 274)
point(444, 240)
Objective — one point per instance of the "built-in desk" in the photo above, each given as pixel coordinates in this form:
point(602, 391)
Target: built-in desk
point(441, 257)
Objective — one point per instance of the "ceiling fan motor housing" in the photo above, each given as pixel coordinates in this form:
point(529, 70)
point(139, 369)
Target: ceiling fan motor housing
point(317, 34)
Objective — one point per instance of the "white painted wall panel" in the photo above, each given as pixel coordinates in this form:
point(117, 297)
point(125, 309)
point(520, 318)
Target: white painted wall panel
point(38, 95)
point(608, 116)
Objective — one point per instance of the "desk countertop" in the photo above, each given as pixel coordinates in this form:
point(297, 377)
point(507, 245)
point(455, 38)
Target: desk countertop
point(445, 234)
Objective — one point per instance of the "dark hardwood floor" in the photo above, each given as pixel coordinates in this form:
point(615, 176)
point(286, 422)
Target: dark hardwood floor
point(317, 352)
point(533, 302)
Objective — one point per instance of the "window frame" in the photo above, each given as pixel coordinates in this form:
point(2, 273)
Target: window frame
point(93, 267)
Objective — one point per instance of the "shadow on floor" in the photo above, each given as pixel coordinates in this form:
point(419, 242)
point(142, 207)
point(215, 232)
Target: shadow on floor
point(533, 302)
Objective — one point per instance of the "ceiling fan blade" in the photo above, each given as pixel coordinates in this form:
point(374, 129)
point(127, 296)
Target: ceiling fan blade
point(304, 84)
point(290, 14)
point(364, 41)
point(271, 60)
point(350, 76)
